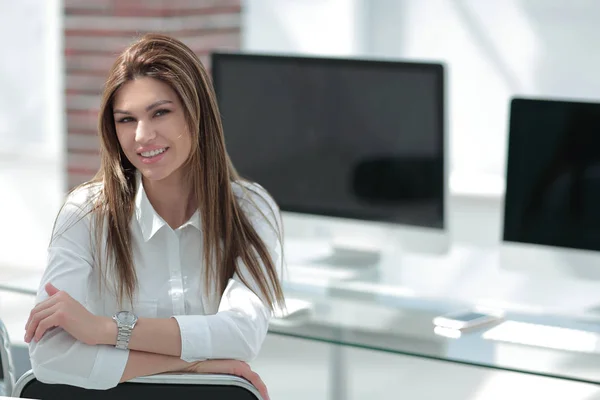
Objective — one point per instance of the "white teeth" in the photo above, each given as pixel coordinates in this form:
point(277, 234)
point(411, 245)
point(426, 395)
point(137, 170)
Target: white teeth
point(153, 152)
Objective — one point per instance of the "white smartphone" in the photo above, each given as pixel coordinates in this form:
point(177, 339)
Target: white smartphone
point(465, 319)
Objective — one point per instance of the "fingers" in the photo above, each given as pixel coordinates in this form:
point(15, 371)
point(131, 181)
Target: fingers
point(39, 324)
point(54, 298)
point(47, 323)
point(51, 300)
point(232, 367)
point(258, 383)
point(243, 370)
point(40, 307)
point(51, 289)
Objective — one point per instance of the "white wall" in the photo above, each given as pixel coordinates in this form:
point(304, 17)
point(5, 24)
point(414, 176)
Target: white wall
point(326, 27)
point(31, 129)
point(29, 79)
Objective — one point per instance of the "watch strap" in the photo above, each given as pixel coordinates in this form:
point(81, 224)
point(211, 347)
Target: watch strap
point(123, 336)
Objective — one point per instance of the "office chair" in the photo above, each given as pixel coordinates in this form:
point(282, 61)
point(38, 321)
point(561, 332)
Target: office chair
point(160, 387)
point(7, 371)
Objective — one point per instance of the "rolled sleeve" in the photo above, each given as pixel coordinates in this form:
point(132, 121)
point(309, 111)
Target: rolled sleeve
point(109, 367)
point(59, 358)
point(106, 369)
point(236, 331)
point(196, 343)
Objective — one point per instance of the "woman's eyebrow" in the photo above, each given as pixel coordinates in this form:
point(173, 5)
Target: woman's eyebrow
point(150, 107)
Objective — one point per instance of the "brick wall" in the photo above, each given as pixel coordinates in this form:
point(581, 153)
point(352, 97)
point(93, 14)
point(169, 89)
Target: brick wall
point(97, 30)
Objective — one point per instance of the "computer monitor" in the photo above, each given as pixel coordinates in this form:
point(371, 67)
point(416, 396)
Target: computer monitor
point(352, 150)
point(551, 209)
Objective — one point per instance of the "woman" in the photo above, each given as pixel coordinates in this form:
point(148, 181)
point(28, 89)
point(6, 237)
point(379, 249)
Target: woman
point(166, 261)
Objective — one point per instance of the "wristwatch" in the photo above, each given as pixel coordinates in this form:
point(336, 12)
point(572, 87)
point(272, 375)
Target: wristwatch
point(126, 321)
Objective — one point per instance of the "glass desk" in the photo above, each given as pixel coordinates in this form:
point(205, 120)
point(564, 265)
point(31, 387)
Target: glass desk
point(548, 328)
point(545, 334)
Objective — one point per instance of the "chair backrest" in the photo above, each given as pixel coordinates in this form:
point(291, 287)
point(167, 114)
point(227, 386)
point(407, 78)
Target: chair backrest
point(7, 371)
point(163, 386)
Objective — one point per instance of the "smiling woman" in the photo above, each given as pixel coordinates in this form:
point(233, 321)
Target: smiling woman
point(151, 128)
point(167, 260)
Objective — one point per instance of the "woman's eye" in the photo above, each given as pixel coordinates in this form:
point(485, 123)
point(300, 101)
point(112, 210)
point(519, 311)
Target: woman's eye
point(125, 119)
point(161, 112)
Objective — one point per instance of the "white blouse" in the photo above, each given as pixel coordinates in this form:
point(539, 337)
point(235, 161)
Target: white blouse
point(170, 271)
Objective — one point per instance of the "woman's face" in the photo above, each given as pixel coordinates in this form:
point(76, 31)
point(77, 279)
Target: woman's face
point(151, 128)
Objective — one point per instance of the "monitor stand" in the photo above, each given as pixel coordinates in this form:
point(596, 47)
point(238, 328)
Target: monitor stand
point(356, 249)
point(351, 257)
point(593, 312)
point(550, 262)
point(345, 247)
point(330, 252)
point(574, 273)
point(320, 260)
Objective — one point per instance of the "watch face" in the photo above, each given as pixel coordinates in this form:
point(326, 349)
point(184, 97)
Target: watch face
point(126, 317)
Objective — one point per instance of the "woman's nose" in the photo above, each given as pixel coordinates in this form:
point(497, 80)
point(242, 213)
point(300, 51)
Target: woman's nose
point(144, 132)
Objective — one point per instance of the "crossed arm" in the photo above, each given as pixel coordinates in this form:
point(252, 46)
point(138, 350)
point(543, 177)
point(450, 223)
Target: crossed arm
point(155, 344)
point(151, 335)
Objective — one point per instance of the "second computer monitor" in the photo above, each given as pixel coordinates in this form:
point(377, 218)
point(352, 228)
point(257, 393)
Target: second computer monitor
point(347, 138)
point(551, 214)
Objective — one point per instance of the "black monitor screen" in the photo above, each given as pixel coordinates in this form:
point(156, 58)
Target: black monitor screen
point(553, 174)
point(345, 138)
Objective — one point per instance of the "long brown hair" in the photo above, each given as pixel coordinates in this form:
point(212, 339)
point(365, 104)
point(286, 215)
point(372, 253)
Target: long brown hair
point(228, 235)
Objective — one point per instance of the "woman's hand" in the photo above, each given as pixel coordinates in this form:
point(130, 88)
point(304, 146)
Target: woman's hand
point(61, 310)
point(230, 367)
